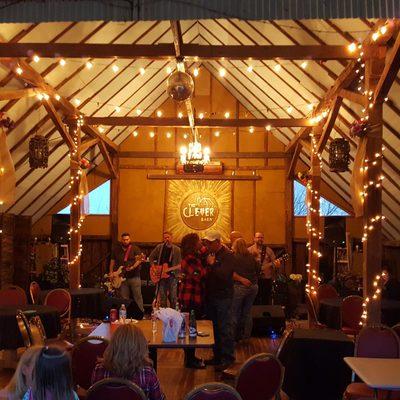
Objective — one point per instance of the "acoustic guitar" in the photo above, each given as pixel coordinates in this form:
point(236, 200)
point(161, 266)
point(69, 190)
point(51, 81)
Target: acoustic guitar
point(158, 272)
point(118, 276)
point(283, 257)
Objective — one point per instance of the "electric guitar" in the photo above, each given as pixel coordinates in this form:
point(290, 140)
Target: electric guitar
point(118, 276)
point(283, 257)
point(158, 272)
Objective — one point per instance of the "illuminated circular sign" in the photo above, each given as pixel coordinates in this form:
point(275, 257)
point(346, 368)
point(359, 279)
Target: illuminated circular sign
point(199, 211)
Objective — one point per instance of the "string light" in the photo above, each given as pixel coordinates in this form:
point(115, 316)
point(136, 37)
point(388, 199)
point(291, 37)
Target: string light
point(57, 97)
point(289, 109)
point(304, 64)
point(115, 68)
point(135, 133)
point(196, 72)
point(142, 71)
point(352, 47)
point(151, 134)
point(62, 62)
point(268, 128)
point(222, 72)
point(117, 109)
point(251, 129)
point(36, 58)
point(216, 133)
point(159, 113)
point(77, 102)
point(89, 65)
point(227, 114)
point(138, 111)
point(180, 115)
point(277, 67)
point(168, 135)
point(19, 70)
point(101, 129)
point(201, 115)
point(250, 68)
point(169, 70)
point(185, 136)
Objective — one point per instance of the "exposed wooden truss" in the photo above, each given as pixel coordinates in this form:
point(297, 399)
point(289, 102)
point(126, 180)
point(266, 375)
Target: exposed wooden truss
point(203, 123)
point(14, 94)
point(168, 51)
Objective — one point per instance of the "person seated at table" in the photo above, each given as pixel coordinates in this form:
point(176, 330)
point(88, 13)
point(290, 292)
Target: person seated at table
point(391, 286)
point(52, 376)
point(127, 357)
point(22, 378)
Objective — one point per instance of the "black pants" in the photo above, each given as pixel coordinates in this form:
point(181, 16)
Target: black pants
point(264, 292)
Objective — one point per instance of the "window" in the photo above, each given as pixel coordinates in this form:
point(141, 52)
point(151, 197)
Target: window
point(99, 201)
point(300, 207)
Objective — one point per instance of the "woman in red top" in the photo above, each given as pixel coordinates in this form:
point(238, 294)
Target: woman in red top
point(127, 357)
point(191, 290)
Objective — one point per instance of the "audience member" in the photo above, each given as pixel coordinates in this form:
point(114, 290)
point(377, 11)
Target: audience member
point(391, 287)
point(127, 357)
point(52, 376)
point(247, 270)
point(22, 378)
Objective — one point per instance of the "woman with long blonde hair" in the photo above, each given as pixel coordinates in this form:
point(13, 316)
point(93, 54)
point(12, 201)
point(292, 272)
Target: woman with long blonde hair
point(22, 378)
point(127, 357)
point(245, 289)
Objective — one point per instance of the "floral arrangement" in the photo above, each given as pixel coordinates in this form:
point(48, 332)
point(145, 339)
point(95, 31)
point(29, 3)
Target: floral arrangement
point(358, 128)
point(296, 277)
point(6, 122)
point(85, 163)
point(304, 177)
point(107, 285)
point(55, 274)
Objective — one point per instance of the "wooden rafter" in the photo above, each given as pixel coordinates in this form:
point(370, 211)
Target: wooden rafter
point(86, 145)
point(330, 123)
point(14, 94)
point(389, 74)
point(107, 160)
point(166, 51)
point(48, 105)
point(293, 161)
point(353, 96)
point(204, 123)
point(224, 154)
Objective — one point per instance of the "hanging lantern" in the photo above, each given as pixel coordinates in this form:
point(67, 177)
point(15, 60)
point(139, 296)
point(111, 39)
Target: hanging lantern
point(38, 152)
point(180, 86)
point(339, 155)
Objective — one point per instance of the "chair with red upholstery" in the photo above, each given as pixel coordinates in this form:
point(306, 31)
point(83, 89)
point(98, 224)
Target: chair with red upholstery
point(352, 309)
point(326, 291)
point(84, 356)
point(260, 378)
point(213, 391)
point(115, 388)
point(60, 299)
point(34, 290)
point(312, 313)
point(373, 342)
point(13, 295)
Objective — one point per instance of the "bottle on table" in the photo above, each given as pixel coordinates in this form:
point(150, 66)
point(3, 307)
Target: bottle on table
point(122, 314)
point(192, 325)
point(153, 321)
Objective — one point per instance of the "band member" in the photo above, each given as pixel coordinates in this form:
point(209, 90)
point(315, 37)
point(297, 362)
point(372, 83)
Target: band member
point(191, 291)
point(233, 236)
point(124, 254)
point(266, 258)
point(219, 293)
point(169, 255)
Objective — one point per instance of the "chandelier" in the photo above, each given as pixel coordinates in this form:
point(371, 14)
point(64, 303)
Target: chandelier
point(194, 157)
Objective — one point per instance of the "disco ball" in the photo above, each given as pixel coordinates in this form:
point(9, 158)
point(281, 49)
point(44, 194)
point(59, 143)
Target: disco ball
point(180, 86)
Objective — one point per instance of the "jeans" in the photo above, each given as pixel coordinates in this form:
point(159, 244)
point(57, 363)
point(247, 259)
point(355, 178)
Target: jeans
point(243, 299)
point(133, 285)
point(219, 312)
point(168, 288)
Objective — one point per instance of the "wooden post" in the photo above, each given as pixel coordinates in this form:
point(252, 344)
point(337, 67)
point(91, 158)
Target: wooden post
point(313, 209)
point(372, 206)
point(75, 217)
point(289, 215)
point(114, 200)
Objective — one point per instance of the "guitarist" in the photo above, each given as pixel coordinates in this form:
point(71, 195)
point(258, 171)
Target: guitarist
point(124, 254)
point(267, 260)
point(168, 254)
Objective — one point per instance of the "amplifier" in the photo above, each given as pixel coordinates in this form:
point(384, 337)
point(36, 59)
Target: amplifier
point(268, 320)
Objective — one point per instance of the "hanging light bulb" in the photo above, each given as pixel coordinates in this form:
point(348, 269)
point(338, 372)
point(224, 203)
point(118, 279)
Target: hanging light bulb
point(222, 72)
point(216, 133)
point(168, 135)
point(159, 113)
point(89, 65)
point(180, 114)
point(169, 70)
point(142, 71)
point(57, 97)
point(117, 109)
point(250, 68)
point(138, 111)
point(36, 58)
point(251, 129)
point(62, 62)
point(19, 70)
point(201, 115)
point(115, 68)
point(77, 102)
point(135, 133)
point(196, 72)
point(304, 64)
point(227, 114)
point(277, 67)
point(352, 47)
point(289, 109)
point(268, 127)
point(151, 134)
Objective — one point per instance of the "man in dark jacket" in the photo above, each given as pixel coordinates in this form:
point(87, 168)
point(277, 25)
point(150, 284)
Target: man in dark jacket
point(219, 294)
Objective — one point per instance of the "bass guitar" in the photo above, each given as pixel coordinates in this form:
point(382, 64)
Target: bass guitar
point(118, 276)
point(158, 272)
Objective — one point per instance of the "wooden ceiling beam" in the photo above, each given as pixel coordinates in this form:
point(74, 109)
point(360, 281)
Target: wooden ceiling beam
point(93, 132)
point(107, 159)
point(353, 96)
point(168, 51)
point(48, 105)
point(330, 123)
point(14, 94)
point(218, 155)
point(293, 162)
point(88, 144)
point(392, 66)
point(200, 123)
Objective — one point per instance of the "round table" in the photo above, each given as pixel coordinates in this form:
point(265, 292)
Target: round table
point(86, 302)
point(330, 312)
point(10, 337)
